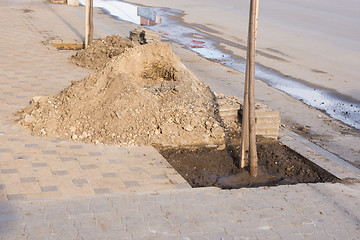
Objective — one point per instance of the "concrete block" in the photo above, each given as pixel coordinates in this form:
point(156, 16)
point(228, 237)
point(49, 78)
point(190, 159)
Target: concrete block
point(73, 2)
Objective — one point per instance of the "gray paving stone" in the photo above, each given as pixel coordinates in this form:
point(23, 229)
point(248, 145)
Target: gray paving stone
point(5, 150)
point(101, 205)
point(80, 181)
point(16, 197)
point(102, 190)
point(131, 183)
point(28, 179)
point(21, 157)
point(9, 171)
point(49, 152)
point(94, 154)
point(77, 207)
point(60, 173)
point(40, 164)
point(49, 189)
point(68, 159)
point(109, 175)
point(87, 167)
point(217, 236)
point(32, 145)
point(118, 161)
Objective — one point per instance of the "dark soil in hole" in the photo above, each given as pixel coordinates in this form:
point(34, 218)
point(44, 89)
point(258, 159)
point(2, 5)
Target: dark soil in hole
point(204, 166)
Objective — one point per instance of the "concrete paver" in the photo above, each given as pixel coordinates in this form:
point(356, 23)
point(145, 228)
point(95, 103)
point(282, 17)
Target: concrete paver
point(51, 189)
point(33, 167)
point(204, 213)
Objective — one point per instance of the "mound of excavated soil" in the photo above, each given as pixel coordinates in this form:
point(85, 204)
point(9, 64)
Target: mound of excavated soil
point(145, 96)
point(101, 51)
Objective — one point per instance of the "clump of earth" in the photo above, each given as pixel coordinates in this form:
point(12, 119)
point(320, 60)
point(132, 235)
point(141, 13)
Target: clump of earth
point(101, 51)
point(144, 96)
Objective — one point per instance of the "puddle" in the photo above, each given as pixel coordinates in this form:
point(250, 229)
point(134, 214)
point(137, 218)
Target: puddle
point(198, 39)
point(128, 12)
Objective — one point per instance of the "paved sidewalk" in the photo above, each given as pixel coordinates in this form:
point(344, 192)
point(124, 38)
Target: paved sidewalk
point(314, 211)
point(52, 189)
point(33, 167)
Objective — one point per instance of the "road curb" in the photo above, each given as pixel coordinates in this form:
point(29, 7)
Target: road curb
point(319, 156)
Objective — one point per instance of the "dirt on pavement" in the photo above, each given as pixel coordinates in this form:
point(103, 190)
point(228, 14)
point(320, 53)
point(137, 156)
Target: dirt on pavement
point(101, 51)
point(144, 96)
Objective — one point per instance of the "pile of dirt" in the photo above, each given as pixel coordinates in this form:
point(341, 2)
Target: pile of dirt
point(101, 51)
point(145, 96)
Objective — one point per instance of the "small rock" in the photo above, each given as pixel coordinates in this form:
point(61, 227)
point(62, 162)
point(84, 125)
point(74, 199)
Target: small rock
point(208, 125)
point(188, 128)
point(74, 137)
point(221, 147)
point(28, 119)
point(304, 129)
point(83, 135)
point(72, 129)
point(36, 99)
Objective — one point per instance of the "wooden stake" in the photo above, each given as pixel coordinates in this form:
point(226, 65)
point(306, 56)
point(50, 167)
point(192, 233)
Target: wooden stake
point(252, 134)
point(91, 32)
point(248, 136)
point(245, 114)
point(87, 22)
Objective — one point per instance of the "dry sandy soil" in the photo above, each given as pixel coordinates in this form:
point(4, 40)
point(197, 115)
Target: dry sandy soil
point(144, 96)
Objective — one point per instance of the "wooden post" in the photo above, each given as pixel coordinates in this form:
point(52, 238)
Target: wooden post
point(248, 123)
point(245, 114)
point(91, 32)
point(252, 48)
point(87, 22)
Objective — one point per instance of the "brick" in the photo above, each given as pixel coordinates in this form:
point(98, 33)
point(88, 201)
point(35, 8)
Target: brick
point(68, 159)
point(39, 164)
point(49, 152)
point(102, 190)
point(32, 145)
point(94, 154)
point(131, 183)
point(80, 181)
point(15, 197)
point(86, 167)
point(5, 150)
point(60, 173)
point(49, 189)
point(109, 175)
point(28, 180)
